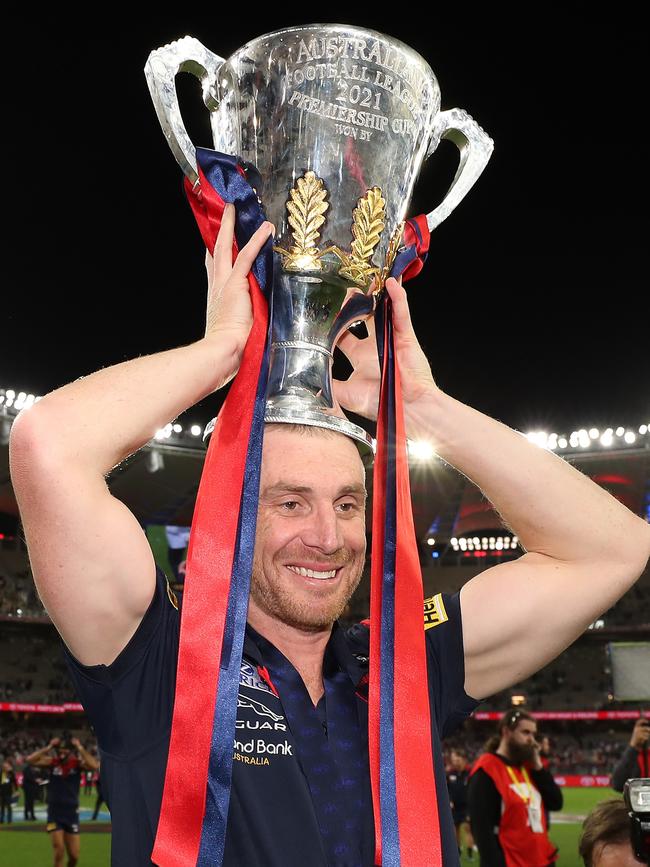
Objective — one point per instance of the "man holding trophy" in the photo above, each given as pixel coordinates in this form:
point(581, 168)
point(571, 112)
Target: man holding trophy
point(252, 729)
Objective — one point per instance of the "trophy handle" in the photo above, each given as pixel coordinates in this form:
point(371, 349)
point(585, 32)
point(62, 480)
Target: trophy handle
point(475, 147)
point(163, 64)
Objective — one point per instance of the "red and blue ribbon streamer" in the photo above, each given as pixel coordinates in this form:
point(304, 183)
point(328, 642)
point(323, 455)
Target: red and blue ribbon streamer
point(399, 718)
point(193, 817)
point(194, 810)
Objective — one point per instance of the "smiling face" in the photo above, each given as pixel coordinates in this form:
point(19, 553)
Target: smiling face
point(310, 543)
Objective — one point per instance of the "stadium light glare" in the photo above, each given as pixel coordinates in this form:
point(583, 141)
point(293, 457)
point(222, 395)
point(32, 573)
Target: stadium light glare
point(620, 431)
point(431, 541)
point(420, 450)
point(562, 443)
point(643, 430)
point(177, 428)
point(195, 430)
point(594, 433)
point(629, 436)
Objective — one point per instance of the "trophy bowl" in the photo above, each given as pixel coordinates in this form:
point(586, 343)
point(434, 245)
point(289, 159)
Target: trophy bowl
point(337, 120)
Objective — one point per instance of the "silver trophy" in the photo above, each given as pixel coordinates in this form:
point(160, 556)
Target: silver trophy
point(337, 120)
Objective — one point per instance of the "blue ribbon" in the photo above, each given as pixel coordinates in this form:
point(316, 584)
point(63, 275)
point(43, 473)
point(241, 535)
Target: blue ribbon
point(387, 784)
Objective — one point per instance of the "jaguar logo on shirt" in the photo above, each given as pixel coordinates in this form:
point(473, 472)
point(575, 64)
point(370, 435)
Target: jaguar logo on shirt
point(270, 726)
point(259, 708)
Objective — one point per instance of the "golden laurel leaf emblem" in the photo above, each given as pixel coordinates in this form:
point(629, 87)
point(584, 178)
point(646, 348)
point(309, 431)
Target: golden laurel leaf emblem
point(307, 206)
point(367, 225)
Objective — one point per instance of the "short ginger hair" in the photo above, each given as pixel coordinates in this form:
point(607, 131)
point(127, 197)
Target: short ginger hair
point(608, 822)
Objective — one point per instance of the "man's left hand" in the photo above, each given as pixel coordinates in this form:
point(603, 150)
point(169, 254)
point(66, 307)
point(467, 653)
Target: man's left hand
point(360, 393)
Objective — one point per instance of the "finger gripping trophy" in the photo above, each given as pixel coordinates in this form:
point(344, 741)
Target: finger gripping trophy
point(337, 121)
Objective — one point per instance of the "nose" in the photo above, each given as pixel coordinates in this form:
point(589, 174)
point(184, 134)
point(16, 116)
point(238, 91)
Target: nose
point(322, 530)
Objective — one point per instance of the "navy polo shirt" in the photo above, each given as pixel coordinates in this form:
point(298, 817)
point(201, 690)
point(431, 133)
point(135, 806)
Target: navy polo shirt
point(300, 785)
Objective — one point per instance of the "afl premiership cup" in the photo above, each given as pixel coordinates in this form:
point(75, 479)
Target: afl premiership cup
point(337, 120)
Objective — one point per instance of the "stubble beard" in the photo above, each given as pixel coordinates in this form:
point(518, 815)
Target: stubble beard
point(304, 614)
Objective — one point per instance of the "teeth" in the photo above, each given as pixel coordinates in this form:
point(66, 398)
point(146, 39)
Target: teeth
point(310, 573)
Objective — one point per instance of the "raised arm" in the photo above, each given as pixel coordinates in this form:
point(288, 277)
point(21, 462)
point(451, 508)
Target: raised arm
point(40, 758)
point(584, 549)
point(88, 761)
point(91, 561)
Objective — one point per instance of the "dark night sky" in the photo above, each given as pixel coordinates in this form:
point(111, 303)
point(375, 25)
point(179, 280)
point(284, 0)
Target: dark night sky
point(531, 305)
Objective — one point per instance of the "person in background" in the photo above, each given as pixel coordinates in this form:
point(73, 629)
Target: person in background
point(635, 761)
point(177, 539)
point(100, 795)
point(606, 840)
point(545, 752)
point(545, 759)
point(508, 791)
point(457, 780)
point(8, 786)
point(63, 793)
point(30, 790)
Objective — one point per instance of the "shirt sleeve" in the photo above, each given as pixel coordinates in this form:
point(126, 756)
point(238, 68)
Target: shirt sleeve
point(626, 769)
point(551, 793)
point(130, 701)
point(446, 661)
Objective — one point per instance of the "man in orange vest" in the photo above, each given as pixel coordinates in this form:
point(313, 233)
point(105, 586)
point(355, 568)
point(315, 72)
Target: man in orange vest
point(509, 791)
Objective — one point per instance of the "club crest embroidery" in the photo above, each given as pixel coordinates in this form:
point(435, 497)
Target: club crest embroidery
point(434, 611)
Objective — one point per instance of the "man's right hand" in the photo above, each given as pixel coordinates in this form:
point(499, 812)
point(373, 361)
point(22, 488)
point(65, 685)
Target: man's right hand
point(229, 314)
point(640, 734)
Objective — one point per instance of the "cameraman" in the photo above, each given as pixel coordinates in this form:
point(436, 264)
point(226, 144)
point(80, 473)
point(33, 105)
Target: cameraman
point(606, 840)
point(635, 761)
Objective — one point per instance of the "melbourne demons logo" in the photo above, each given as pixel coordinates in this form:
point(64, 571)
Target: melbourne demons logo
point(248, 676)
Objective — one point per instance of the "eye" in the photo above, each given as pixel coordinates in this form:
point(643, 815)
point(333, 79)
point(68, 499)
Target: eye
point(289, 505)
point(348, 506)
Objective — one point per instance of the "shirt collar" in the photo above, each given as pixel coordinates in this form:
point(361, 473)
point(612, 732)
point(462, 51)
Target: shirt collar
point(338, 651)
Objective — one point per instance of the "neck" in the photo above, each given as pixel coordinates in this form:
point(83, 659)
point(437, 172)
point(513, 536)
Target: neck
point(304, 649)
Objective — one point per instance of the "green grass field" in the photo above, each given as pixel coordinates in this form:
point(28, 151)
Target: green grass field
point(33, 848)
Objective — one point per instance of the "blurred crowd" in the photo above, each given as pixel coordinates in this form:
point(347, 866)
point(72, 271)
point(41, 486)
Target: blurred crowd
point(569, 754)
point(32, 668)
point(18, 597)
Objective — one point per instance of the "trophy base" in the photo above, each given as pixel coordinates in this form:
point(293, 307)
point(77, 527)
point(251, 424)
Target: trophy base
point(362, 438)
